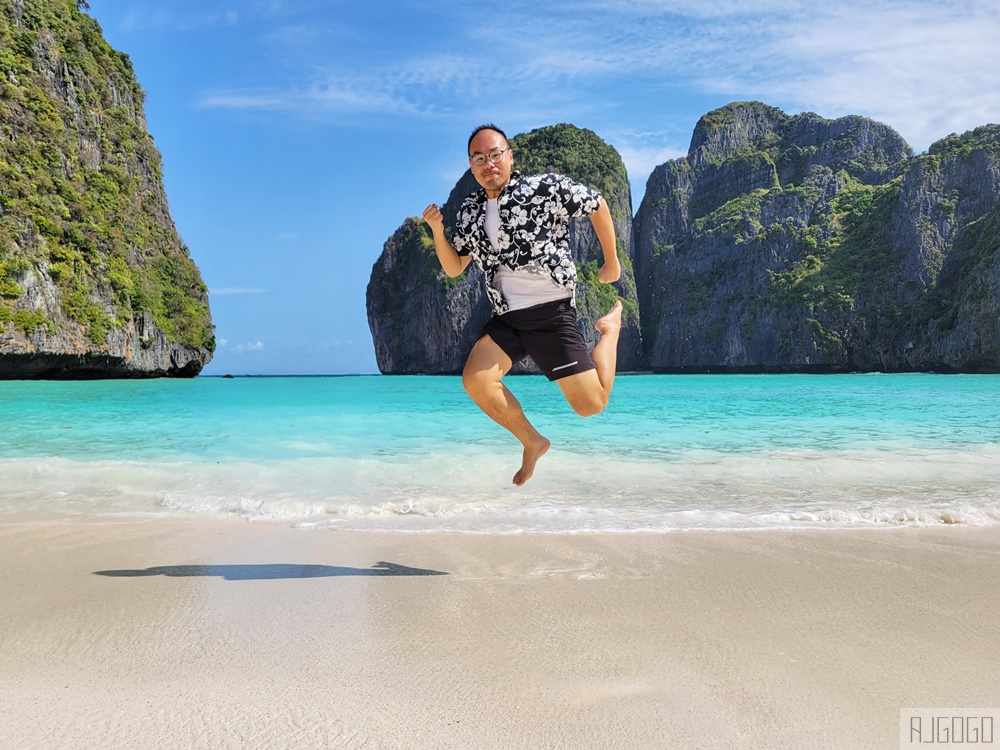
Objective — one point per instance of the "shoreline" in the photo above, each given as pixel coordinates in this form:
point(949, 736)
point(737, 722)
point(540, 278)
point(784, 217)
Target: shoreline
point(213, 633)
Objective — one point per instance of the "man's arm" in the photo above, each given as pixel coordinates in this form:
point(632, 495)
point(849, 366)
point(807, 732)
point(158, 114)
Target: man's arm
point(452, 263)
point(605, 228)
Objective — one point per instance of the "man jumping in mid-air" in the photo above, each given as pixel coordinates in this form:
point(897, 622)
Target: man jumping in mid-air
point(517, 229)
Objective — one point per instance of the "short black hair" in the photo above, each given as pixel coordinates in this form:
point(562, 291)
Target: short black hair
point(485, 126)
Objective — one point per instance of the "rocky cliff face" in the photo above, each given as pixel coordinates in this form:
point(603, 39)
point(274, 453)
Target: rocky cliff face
point(779, 244)
point(94, 280)
point(424, 322)
point(802, 244)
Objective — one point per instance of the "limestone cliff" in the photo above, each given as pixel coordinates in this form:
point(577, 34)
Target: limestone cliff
point(778, 244)
point(801, 244)
point(424, 322)
point(94, 280)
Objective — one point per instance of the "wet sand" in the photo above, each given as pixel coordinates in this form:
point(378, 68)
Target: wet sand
point(208, 633)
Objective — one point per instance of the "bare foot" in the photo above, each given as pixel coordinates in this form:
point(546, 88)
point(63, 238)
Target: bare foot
point(531, 455)
point(612, 321)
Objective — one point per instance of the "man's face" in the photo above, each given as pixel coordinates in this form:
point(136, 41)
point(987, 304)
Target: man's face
point(491, 175)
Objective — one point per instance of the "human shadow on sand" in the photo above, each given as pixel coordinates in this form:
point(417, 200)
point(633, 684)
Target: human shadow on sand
point(270, 571)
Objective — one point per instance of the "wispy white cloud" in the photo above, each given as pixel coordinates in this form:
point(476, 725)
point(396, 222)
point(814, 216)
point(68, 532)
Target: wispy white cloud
point(330, 95)
point(192, 15)
point(251, 347)
point(325, 347)
point(226, 290)
point(919, 66)
point(166, 20)
point(245, 100)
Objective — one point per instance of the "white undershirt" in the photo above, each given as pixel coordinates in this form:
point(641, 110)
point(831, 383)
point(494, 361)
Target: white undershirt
point(492, 223)
point(526, 286)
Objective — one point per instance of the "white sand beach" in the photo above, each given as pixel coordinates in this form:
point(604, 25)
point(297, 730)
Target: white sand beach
point(208, 633)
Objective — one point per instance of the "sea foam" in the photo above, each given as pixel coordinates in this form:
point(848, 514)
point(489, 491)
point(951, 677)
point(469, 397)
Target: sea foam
point(569, 492)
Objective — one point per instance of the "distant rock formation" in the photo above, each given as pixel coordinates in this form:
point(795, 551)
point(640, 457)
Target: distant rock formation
point(94, 280)
point(424, 322)
point(778, 244)
point(791, 244)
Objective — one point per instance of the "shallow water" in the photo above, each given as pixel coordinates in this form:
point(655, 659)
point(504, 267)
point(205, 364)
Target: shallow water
point(413, 453)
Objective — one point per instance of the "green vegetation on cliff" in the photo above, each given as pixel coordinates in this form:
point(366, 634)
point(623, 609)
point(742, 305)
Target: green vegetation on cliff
point(741, 215)
point(576, 152)
point(582, 155)
point(855, 252)
point(81, 197)
point(967, 284)
point(792, 144)
point(432, 265)
point(735, 113)
point(726, 134)
point(986, 137)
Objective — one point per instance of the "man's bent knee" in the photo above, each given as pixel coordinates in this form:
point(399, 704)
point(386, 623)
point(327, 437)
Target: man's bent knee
point(473, 381)
point(590, 404)
point(584, 393)
point(485, 367)
point(476, 380)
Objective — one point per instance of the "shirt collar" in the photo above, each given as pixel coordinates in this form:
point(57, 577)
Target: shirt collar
point(514, 175)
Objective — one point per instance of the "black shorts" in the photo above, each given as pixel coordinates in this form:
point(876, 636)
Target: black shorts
point(547, 333)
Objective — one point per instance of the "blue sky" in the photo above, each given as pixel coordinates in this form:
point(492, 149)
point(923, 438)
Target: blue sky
point(298, 134)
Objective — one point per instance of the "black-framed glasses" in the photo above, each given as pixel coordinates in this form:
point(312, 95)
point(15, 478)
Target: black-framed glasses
point(494, 156)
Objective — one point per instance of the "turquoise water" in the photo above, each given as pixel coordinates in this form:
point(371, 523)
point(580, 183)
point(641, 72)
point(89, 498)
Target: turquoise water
point(413, 453)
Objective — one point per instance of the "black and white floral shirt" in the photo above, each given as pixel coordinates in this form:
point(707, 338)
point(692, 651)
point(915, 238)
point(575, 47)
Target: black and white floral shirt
point(534, 229)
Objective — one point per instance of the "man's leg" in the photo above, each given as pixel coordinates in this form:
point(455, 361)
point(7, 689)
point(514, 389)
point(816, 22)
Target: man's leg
point(588, 392)
point(485, 368)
